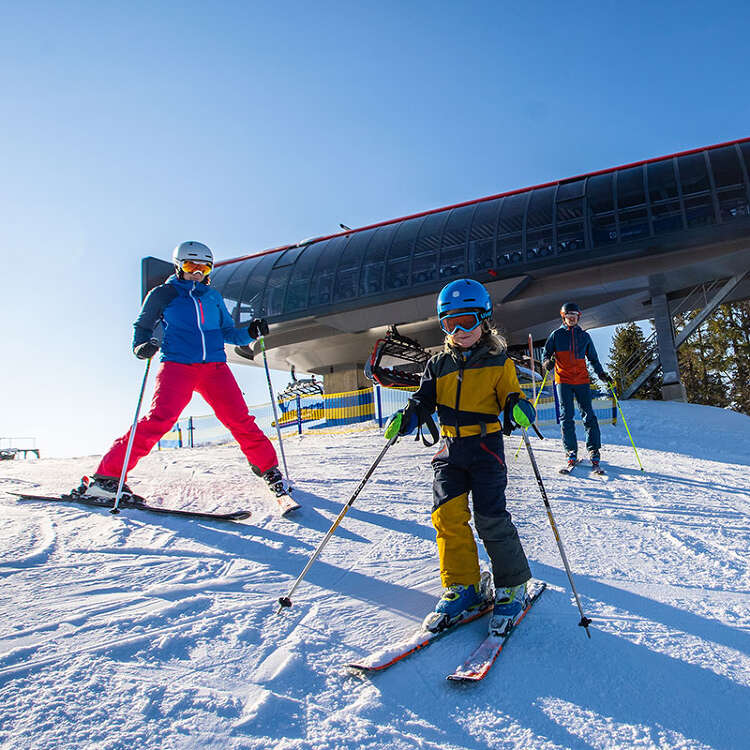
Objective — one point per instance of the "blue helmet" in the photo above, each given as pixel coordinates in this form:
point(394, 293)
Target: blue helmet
point(464, 294)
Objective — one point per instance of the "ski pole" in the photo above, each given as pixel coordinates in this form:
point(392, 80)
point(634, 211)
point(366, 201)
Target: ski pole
point(286, 601)
point(533, 368)
point(124, 471)
point(273, 404)
point(585, 621)
point(536, 400)
point(611, 387)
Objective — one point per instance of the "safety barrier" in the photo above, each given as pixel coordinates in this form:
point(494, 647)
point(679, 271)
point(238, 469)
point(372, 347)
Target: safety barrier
point(352, 411)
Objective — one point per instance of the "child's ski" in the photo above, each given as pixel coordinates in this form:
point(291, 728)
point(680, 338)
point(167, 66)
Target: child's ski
point(477, 666)
point(389, 655)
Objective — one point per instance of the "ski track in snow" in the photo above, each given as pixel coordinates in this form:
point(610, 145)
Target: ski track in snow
point(157, 632)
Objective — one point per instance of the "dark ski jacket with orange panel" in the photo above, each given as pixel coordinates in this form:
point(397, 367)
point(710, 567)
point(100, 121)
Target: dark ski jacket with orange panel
point(571, 347)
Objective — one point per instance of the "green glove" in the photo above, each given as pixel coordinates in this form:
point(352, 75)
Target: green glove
point(520, 418)
point(393, 425)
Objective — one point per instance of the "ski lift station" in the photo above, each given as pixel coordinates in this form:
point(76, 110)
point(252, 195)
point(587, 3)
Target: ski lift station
point(642, 241)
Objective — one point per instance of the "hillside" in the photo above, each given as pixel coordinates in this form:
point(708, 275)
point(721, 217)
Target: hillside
point(156, 632)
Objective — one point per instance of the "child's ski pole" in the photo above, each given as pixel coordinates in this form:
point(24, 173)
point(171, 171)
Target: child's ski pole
point(286, 601)
point(585, 621)
point(536, 400)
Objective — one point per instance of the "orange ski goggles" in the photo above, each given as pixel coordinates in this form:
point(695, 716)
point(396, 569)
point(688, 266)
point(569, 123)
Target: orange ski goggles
point(465, 321)
point(191, 266)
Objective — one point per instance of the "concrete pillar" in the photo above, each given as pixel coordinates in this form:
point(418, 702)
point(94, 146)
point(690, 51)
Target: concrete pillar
point(343, 378)
point(672, 387)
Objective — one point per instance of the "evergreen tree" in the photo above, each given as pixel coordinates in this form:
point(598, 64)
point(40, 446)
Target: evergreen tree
point(702, 364)
point(729, 330)
point(628, 356)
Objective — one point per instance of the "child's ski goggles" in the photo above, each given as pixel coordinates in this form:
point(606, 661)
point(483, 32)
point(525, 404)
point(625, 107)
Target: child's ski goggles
point(190, 266)
point(463, 321)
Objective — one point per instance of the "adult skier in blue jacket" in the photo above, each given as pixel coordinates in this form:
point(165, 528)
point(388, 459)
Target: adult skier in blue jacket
point(196, 326)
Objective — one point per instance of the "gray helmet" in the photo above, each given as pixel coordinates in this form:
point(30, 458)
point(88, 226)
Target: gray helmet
point(196, 251)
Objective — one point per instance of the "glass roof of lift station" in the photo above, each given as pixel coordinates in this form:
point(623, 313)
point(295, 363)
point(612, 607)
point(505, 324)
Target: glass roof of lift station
point(584, 218)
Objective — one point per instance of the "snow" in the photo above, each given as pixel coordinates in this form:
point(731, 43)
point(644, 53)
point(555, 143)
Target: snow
point(150, 631)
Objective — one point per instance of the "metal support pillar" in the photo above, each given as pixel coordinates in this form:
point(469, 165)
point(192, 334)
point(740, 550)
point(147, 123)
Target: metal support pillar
point(672, 387)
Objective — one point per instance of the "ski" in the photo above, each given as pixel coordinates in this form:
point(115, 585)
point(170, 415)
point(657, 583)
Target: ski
point(286, 504)
point(92, 502)
point(390, 655)
point(477, 666)
point(566, 469)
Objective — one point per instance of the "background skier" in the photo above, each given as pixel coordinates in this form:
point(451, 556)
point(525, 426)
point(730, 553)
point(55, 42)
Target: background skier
point(566, 351)
point(469, 383)
point(196, 326)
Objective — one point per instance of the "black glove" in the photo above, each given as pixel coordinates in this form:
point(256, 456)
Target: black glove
point(411, 418)
point(606, 377)
point(258, 327)
point(549, 363)
point(244, 351)
point(147, 349)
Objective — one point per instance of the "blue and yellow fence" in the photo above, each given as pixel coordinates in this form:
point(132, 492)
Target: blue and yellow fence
point(353, 411)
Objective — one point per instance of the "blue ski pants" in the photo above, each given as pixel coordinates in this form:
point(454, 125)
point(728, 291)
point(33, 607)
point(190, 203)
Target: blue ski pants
point(566, 395)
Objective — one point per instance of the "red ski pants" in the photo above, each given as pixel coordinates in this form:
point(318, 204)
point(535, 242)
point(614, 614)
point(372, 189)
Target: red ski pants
point(175, 384)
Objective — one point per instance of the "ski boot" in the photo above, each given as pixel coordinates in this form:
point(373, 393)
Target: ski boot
point(276, 482)
point(459, 602)
point(570, 464)
point(510, 602)
point(104, 489)
point(597, 469)
point(280, 487)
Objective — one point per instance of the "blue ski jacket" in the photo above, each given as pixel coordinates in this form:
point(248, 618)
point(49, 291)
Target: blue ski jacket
point(195, 320)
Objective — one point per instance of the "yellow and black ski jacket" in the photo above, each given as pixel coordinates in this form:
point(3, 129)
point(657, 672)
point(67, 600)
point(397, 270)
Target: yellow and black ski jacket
point(468, 388)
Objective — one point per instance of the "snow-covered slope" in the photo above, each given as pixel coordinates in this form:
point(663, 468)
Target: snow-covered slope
point(156, 632)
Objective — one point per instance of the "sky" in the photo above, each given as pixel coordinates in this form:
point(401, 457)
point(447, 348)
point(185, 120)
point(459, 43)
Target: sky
point(127, 128)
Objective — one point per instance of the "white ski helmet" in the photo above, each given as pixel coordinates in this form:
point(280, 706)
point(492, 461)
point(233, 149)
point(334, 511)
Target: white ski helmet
point(196, 251)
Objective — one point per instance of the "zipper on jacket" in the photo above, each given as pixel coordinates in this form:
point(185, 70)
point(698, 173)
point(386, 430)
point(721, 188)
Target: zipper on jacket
point(458, 393)
point(198, 310)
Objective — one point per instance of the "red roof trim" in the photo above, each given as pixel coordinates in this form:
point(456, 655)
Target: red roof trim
point(483, 200)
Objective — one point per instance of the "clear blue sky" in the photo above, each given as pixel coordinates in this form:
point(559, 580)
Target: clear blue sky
point(128, 127)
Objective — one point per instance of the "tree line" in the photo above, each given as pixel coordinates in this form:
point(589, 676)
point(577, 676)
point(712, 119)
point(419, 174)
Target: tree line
point(714, 361)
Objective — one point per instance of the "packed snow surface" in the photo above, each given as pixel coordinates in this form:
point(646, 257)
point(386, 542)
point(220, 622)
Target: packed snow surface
point(148, 631)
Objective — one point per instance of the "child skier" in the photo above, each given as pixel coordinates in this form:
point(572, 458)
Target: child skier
point(196, 326)
point(470, 382)
point(566, 351)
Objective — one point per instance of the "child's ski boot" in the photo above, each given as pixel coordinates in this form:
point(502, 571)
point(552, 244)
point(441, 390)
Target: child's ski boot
point(510, 602)
point(458, 603)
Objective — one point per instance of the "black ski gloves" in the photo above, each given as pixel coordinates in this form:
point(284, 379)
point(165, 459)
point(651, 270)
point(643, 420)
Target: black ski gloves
point(549, 363)
point(410, 418)
point(258, 327)
point(147, 349)
point(606, 377)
